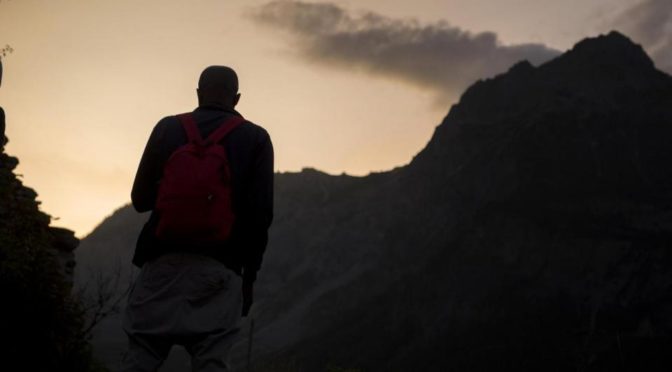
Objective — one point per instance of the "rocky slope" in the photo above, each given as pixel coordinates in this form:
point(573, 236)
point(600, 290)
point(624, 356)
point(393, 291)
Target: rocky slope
point(42, 325)
point(532, 233)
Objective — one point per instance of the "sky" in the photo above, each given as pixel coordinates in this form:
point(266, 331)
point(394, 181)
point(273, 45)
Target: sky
point(343, 86)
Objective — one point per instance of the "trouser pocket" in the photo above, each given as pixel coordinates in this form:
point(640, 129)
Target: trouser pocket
point(208, 282)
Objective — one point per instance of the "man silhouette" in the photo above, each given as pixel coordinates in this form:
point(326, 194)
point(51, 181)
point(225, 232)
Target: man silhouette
point(193, 294)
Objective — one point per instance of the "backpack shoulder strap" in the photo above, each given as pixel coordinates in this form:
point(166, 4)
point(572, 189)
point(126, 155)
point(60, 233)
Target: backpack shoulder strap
point(189, 125)
point(225, 128)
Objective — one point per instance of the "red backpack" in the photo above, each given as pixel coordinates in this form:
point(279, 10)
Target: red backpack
point(194, 198)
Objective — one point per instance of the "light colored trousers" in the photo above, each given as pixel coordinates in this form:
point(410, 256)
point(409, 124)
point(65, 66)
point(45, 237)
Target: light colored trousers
point(184, 299)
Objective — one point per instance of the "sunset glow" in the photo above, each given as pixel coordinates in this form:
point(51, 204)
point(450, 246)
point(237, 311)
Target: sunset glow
point(88, 80)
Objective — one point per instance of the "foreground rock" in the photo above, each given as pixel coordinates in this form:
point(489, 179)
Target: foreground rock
point(42, 324)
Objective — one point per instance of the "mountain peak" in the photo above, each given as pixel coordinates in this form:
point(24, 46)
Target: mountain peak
point(611, 50)
point(605, 74)
point(613, 39)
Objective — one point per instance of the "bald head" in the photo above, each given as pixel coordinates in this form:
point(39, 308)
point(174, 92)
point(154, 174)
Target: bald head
point(218, 85)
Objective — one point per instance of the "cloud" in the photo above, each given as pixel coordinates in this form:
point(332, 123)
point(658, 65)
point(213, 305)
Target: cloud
point(437, 56)
point(649, 22)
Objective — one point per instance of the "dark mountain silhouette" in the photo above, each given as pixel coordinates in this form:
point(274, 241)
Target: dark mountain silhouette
point(532, 233)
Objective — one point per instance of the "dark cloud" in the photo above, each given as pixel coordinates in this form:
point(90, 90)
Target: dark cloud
point(649, 22)
point(437, 56)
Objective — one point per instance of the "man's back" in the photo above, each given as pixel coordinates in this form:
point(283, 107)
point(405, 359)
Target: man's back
point(250, 154)
point(189, 292)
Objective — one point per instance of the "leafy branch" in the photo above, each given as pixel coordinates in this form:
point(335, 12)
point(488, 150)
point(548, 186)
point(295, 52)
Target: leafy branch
point(6, 50)
point(105, 298)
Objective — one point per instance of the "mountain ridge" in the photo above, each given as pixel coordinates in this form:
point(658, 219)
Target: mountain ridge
point(532, 229)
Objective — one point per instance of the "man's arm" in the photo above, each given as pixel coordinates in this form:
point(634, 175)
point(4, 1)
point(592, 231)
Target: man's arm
point(150, 170)
point(260, 217)
point(261, 203)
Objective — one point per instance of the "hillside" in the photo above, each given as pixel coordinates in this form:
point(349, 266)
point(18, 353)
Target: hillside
point(532, 233)
point(42, 324)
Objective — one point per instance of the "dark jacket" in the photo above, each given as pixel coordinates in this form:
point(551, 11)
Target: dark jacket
point(250, 154)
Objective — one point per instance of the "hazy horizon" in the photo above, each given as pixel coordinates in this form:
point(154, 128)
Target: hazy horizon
point(88, 81)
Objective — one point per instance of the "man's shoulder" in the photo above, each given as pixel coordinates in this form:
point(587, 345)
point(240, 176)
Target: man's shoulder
point(248, 128)
point(166, 122)
point(257, 130)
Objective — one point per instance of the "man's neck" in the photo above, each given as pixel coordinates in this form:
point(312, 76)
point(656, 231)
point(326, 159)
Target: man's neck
point(215, 106)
